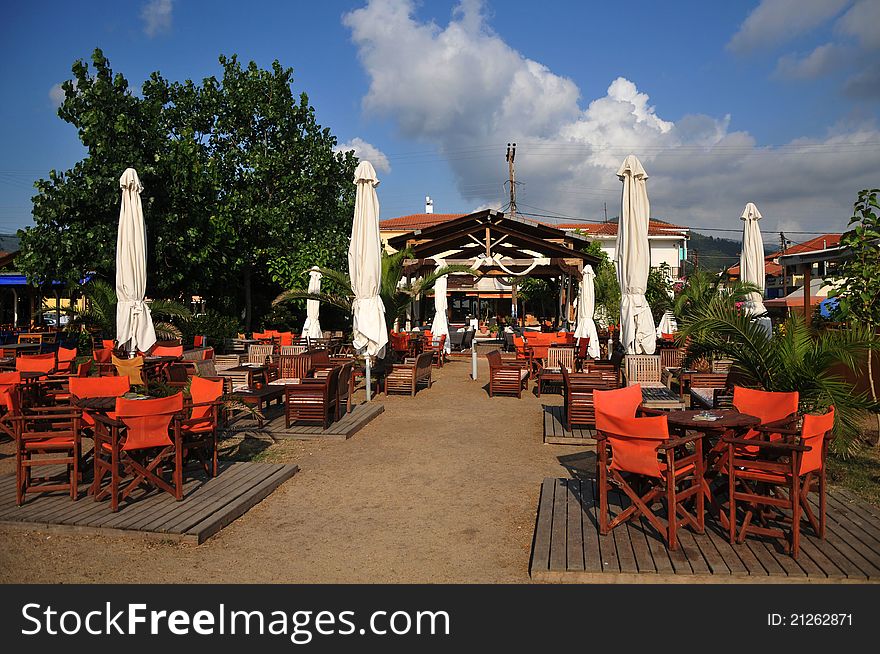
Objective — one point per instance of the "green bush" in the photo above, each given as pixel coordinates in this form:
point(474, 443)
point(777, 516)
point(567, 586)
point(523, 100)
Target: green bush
point(212, 324)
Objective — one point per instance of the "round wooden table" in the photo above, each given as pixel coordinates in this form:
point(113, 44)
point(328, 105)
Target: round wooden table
point(730, 420)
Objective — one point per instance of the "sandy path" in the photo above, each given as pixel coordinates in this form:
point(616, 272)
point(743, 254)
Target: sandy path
point(440, 488)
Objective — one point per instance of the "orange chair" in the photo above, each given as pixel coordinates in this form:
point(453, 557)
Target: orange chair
point(66, 357)
point(167, 351)
point(50, 433)
point(437, 349)
point(773, 408)
point(131, 368)
point(86, 387)
point(285, 338)
point(9, 382)
point(795, 466)
point(200, 429)
point(42, 363)
point(632, 448)
point(141, 441)
point(198, 341)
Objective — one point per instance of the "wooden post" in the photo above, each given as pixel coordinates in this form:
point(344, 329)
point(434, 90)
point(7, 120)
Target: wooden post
point(808, 272)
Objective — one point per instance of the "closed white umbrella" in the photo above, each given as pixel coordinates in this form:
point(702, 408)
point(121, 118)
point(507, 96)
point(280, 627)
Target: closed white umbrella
point(312, 325)
point(668, 324)
point(134, 325)
point(365, 269)
point(633, 260)
point(751, 265)
point(440, 325)
point(586, 305)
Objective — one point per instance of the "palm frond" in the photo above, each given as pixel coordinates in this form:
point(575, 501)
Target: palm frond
point(332, 299)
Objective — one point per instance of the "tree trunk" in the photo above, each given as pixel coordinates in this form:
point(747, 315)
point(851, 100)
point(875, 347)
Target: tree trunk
point(873, 389)
point(248, 300)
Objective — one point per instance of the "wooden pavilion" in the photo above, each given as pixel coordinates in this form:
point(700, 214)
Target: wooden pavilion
point(499, 246)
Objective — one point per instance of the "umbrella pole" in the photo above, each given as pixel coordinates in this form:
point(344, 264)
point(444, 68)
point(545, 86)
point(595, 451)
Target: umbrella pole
point(474, 361)
point(369, 384)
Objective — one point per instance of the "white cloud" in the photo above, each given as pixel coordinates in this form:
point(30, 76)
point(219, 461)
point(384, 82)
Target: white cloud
point(464, 89)
point(821, 61)
point(56, 95)
point(775, 21)
point(366, 151)
point(156, 15)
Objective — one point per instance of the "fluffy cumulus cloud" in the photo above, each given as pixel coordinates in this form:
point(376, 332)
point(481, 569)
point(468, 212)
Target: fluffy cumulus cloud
point(366, 151)
point(461, 87)
point(156, 16)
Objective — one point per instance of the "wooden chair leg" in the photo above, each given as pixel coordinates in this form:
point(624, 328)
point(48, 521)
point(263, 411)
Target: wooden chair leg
point(795, 516)
point(671, 513)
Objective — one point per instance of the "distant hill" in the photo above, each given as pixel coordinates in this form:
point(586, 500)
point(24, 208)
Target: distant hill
point(713, 253)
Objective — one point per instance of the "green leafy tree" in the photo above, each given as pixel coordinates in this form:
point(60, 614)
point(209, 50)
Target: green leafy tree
point(280, 182)
point(791, 359)
point(858, 277)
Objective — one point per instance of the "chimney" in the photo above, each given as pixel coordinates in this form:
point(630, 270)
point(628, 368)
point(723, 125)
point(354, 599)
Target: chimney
point(429, 204)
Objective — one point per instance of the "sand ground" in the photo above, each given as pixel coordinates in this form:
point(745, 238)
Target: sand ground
point(442, 487)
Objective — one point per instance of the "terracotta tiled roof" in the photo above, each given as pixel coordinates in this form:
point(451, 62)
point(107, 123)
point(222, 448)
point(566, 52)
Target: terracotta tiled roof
point(417, 221)
point(655, 228)
point(821, 242)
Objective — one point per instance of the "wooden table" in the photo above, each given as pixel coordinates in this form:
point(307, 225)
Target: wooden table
point(261, 397)
point(17, 348)
point(661, 398)
point(730, 422)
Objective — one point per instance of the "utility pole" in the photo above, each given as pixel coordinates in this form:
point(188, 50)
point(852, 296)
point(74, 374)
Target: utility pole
point(511, 172)
point(605, 209)
point(696, 259)
point(782, 249)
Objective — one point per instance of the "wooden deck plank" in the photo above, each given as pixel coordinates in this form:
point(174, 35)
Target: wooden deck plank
point(208, 505)
point(558, 547)
point(541, 540)
point(625, 555)
point(592, 555)
point(607, 548)
point(219, 519)
point(344, 428)
point(183, 520)
point(575, 529)
point(160, 503)
point(868, 532)
point(555, 432)
point(633, 552)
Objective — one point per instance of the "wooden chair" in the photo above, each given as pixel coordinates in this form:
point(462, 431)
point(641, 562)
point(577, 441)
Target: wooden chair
point(167, 351)
point(672, 357)
point(557, 358)
point(721, 365)
point(295, 366)
point(344, 389)
point(437, 350)
point(506, 377)
point(44, 436)
point(9, 382)
point(406, 377)
point(704, 383)
point(578, 395)
point(289, 350)
point(261, 354)
point(645, 370)
point(66, 360)
point(793, 467)
point(199, 431)
point(103, 359)
point(30, 338)
point(226, 361)
point(86, 387)
point(131, 368)
point(41, 363)
point(629, 457)
point(312, 400)
point(142, 441)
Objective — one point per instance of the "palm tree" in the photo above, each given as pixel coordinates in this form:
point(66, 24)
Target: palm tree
point(396, 296)
point(794, 358)
point(99, 313)
point(703, 287)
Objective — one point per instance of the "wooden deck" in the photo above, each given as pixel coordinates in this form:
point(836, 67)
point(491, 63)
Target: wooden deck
point(567, 546)
point(208, 505)
point(555, 432)
point(359, 416)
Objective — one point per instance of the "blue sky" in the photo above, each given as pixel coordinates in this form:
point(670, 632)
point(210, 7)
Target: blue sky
point(774, 102)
